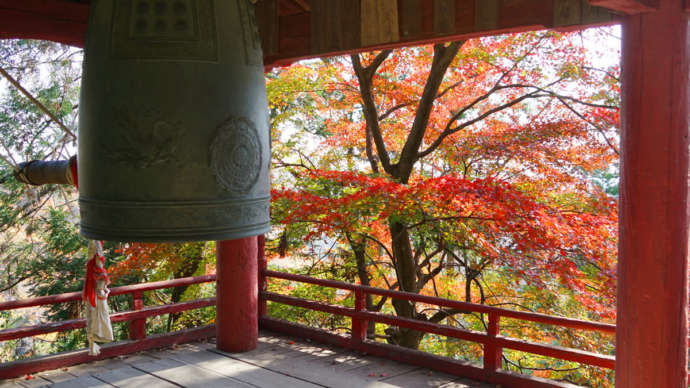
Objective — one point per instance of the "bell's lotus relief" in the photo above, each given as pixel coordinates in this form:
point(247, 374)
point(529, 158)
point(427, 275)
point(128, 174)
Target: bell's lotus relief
point(145, 140)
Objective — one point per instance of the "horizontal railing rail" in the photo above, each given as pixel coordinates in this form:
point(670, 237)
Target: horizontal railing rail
point(493, 343)
point(478, 308)
point(76, 296)
point(147, 312)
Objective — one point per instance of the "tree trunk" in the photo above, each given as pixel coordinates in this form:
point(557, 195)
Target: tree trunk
point(406, 271)
point(403, 254)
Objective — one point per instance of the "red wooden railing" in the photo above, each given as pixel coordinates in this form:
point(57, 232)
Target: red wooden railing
point(137, 329)
point(493, 342)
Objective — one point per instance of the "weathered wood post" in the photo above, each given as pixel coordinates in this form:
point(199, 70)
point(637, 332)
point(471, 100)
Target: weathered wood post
point(237, 295)
point(651, 334)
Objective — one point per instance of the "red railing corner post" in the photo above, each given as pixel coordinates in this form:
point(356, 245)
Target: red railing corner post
point(137, 327)
point(359, 325)
point(493, 354)
point(263, 283)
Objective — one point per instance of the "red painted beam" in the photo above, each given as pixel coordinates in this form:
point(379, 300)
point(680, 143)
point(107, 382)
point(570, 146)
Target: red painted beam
point(527, 316)
point(237, 293)
point(75, 296)
point(576, 355)
point(56, 20)
point(427, 327)
point(188, 281)
point(561, 353)
point(39, 364)
point(40, 301)
point(651, 334)
point(629, 7)
point(45, 328)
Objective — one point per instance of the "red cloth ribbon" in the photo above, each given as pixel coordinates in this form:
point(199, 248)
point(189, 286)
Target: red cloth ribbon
point(93, 272)
point(75, 178)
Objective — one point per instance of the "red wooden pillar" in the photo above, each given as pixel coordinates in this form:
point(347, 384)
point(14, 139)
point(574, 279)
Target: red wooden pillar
point(651, 336)
point(236, 295)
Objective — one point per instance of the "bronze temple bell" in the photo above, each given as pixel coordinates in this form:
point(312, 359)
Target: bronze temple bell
point(173, 133)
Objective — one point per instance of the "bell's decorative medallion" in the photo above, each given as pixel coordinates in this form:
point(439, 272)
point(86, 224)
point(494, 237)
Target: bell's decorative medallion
point(236, 155)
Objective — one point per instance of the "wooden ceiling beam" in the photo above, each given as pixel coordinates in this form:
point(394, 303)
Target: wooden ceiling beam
point(55, 20)
point(629, 7)
point(335, 27)
point(339, 26)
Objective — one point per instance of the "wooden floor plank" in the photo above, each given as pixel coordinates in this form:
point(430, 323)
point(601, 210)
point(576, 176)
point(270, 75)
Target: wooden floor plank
point(97, 367)
point(380, 369)
point(188, 375)
point(316, 350)
point(345, 361)
point(82, 382)
point(239, 370)
point(422, 378)
point(466, 384)
point(311, 368)
point(129, 377)
point(9, 384)
point(35, 381)
point(263, 356)
point(57, 376)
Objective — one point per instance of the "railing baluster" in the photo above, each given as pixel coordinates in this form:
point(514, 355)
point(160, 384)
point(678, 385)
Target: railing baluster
point(137, 327)
point(263, 284)
point(359, 326)
point(493, 354)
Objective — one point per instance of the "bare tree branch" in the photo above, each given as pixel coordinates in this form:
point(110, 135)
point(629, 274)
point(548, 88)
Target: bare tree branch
point(443, 56)
point(40, 106)
point(365, 77)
